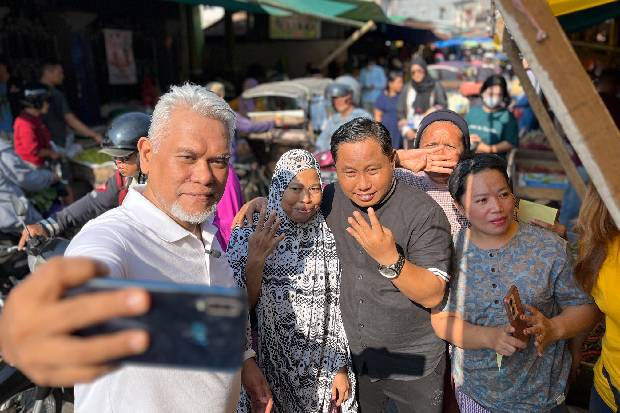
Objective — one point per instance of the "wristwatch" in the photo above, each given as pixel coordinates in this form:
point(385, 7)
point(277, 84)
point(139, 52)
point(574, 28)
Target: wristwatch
point(392, 271)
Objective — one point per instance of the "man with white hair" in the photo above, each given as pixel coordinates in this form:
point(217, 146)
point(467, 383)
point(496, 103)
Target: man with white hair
point(164, 231)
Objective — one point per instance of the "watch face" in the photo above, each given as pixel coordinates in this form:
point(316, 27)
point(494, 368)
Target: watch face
point(388, 273)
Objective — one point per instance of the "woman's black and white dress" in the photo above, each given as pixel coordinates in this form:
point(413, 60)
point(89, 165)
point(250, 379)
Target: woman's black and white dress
point(301, 340)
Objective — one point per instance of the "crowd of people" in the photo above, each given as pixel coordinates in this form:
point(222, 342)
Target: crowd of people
point(401, 100)
point(384, 288)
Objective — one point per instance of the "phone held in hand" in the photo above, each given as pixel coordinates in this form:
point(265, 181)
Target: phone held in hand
point(190, 326)
point(514, 310)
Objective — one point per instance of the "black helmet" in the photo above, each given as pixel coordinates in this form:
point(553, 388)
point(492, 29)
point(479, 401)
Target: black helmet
point(34, 95)
point(337, 90)
point(123, 134)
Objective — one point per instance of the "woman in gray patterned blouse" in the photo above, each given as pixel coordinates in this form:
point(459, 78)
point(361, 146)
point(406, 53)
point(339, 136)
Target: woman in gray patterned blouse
point(493, 370)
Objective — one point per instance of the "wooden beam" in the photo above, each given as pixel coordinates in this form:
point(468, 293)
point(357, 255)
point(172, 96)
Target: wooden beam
point(570, 93)
point(370, 25)
point(594, 46)
point(229, 41)
point(554, 138)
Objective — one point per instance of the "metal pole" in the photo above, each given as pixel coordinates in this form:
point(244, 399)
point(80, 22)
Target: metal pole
point(370, 25)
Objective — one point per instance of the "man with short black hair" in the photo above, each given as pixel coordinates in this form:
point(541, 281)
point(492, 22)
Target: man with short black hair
point(395, 247)
point(60, 115)
point(340, 95)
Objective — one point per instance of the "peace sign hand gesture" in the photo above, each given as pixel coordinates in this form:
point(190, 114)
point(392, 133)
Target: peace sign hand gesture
point(263, 241)
point(377, 240)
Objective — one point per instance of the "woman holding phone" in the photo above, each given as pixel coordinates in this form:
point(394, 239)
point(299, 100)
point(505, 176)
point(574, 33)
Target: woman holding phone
point(492, 369)
point(287, 261)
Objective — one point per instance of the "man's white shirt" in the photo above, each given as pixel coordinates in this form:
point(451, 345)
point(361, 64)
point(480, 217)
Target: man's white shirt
point(139, 241)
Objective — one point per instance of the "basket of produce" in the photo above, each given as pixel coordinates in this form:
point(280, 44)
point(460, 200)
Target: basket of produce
point(92, 166)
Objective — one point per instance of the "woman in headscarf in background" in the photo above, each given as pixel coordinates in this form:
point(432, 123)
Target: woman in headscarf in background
point(302, 346)
point(420, 97)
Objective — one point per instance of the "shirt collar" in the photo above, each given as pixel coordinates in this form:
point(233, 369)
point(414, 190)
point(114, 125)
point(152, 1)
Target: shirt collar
point(158, 221)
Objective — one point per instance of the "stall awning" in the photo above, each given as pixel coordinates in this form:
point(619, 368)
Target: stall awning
point(561, 7)
point(238, 5)
point(577, 15)
point(353, 12)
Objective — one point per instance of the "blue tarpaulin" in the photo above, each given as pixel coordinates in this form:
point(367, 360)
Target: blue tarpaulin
point(460, 41)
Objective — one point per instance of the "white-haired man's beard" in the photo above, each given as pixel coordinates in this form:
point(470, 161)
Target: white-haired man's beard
point(177, 211)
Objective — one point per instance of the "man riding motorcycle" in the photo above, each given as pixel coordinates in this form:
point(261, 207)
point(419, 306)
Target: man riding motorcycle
point(341, 97)
point(121, 144)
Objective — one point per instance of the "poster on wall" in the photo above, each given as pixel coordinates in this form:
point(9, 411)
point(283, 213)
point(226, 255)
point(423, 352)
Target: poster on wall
point(296, 27)
point(119, 53)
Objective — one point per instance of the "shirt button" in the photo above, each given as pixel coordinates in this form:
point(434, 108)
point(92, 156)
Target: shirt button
point(494, 285)
point(491, 254)
point(496, 301)
point(492, 269)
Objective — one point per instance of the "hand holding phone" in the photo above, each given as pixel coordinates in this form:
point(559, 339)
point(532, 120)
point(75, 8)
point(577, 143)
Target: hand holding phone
point(190, 326)
point(514, 310)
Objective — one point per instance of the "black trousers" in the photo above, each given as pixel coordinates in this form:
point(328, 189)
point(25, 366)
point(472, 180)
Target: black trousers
point(424, 395)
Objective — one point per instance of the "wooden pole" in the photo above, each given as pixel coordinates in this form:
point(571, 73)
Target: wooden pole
point(197, 42)
point(570, 93)
point(185, 60)
point(554, 138)
point(370, 25)
point(594, 46)
point(229, 39)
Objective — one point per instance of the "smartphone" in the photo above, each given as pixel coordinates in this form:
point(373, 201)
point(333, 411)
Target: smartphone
point(190, 326)
point(514, 310)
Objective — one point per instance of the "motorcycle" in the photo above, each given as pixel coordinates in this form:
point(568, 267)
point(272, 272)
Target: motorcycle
point(17, 393)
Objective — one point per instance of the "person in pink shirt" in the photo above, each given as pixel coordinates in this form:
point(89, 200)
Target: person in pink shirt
point(228, 207)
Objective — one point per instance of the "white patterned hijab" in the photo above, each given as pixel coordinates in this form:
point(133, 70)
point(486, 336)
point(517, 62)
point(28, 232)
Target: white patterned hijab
point(289, 165)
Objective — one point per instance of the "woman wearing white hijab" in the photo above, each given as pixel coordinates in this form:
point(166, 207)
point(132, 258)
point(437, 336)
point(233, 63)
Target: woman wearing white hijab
point(302, 347)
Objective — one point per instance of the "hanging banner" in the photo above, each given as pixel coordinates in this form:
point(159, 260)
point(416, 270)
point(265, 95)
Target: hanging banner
point(296, 26)
point(119, 53)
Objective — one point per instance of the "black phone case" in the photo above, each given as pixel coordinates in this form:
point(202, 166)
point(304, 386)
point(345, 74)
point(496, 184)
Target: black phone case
point(190, 326)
